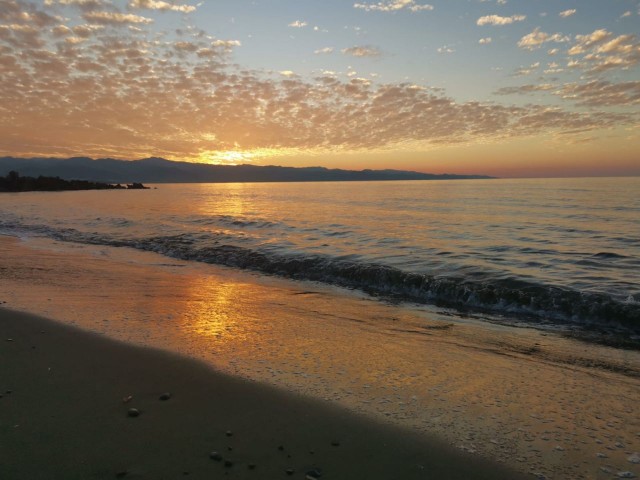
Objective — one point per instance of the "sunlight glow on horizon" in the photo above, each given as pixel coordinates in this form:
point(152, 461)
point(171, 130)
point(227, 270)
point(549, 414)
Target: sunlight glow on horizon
point(367, 85)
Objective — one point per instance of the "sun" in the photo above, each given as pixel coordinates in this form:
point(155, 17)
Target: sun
point(239, 157)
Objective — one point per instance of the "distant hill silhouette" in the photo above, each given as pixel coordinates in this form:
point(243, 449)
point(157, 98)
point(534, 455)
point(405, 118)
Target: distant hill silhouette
point(159, 170)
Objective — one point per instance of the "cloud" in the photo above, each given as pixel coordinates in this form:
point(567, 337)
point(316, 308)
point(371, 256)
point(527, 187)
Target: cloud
point(114, 18)
point(524, 89)
point(567, 13)
point(522, 71)
point(362, 51)
point(298, 24)
point(537, 38)
point(601, 51)
point(485, 41)
point(600, 93)
point(446, 49)
point(130, 93)
point(498, 20)
point(393, 6)
point(161, 5)
point(324, 50)
point(595, 93)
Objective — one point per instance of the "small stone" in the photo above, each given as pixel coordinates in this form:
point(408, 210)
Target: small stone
point(230, 448)
point(133, 412)
point(228, 463)
point(127, 399)
point(601, 455)
point(9, 339)
point(281, 447)
point(165, 396)
point(626, 475)
point(229, 433)
point(634, 457)
point(335, 443)
point(251, 466)
point(289, 471)
point(313, 474)
point(215, 456)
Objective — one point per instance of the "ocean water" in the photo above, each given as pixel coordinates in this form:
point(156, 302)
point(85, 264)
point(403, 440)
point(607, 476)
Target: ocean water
point(552, 252)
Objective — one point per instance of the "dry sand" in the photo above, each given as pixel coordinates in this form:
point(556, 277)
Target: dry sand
point(62, 416)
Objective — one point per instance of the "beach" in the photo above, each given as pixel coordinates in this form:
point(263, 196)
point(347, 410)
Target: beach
point(67, 394)
point(402, 387)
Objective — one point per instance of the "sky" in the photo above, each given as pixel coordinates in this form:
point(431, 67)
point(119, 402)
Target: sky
point(516, 88)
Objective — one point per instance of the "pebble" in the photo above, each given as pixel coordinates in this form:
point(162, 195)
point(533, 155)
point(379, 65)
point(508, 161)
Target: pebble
point(634, 457)
point(165, 396)
point(215, 456)
point(290, 471)
point(228, 463)
point(229, 433)
point(601, 455)
point(252, 466)
point(313, 474)
point(281, 447)
point(335, 443)
point(133, 412)
point(626, 475)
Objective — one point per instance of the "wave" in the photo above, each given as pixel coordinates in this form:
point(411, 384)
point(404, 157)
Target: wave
point(497, 295)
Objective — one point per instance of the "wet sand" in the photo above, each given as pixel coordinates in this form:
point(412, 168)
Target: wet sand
point(540, 403)
point(64, 414)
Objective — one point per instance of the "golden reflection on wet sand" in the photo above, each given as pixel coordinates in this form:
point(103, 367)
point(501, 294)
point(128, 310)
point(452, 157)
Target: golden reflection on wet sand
point(540, 402)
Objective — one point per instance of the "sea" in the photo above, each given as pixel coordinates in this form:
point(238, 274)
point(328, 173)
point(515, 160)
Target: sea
point(502, 315)
point(546, 252)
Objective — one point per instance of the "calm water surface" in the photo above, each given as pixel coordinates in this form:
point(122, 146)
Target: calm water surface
point(560, 251)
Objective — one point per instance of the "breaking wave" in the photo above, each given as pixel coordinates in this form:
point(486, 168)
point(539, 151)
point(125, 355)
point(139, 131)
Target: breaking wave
point(507, 296)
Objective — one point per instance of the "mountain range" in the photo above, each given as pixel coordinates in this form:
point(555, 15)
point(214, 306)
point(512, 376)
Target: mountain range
point(160, 170)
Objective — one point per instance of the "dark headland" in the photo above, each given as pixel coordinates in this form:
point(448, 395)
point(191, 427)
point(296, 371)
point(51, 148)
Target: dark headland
point(14, 182)
point(160, 170)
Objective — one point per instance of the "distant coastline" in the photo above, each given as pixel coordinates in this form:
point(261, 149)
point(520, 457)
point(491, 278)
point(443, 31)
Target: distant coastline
point(160, 170)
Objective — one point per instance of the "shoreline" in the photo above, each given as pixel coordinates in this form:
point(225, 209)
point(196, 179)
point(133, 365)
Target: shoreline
point(65, 418)
point(538, 403)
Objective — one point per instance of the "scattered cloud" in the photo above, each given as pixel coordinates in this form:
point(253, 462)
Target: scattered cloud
point(161, 5)
point(537, 38)
point(601, 51)
point(600, 93)
point(298, 24)
point(393, 6)
point(114, 18)
point(498, 20)
point(595, 93)
point(523, 71)
point(128, 91)
point(446, 49)
point(362, 51)
point(485, 41)
point(524, 89)
point(567, 13)
point(325, 50)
